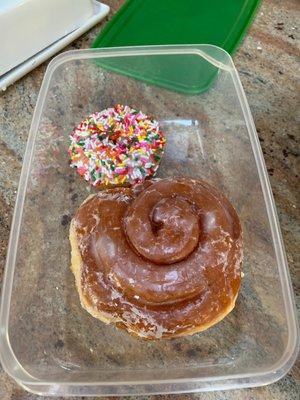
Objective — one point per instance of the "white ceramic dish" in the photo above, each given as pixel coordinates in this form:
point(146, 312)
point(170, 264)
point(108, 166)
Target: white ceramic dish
point(100, 10)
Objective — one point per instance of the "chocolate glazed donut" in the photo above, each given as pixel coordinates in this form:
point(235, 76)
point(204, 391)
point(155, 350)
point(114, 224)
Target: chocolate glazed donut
point(160, 260)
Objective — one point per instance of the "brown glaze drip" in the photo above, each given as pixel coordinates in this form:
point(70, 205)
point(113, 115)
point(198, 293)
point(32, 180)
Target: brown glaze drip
point(160, 260)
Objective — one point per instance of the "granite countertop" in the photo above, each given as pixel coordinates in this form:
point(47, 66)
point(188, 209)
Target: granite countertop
point(267, 64)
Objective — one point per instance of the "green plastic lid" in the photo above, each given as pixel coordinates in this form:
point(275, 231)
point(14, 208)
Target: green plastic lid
point(155, 22)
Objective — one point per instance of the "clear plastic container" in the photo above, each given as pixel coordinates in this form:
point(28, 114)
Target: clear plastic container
point(49, 344)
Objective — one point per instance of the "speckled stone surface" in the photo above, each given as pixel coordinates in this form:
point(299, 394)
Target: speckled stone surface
point(267, 63)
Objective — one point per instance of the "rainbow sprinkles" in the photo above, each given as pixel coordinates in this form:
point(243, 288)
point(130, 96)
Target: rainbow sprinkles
point(116, 146)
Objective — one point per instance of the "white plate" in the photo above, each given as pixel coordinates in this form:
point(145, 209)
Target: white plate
point(100, 11)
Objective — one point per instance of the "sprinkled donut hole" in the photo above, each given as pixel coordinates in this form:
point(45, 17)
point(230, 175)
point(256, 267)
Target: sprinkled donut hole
point(116, 146)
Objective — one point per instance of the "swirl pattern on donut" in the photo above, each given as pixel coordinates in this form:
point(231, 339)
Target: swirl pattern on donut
point(161, 260)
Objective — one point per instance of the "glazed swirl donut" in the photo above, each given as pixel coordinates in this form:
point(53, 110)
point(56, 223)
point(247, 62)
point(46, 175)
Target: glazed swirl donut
point(160, 260)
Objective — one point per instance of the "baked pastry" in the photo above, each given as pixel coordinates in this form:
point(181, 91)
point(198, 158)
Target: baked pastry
point(116, 146)
point(160, 260)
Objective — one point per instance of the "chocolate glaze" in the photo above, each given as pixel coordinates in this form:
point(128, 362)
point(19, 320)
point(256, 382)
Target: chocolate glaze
point(161, 259)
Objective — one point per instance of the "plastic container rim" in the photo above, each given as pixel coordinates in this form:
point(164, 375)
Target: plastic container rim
point(272, 374)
